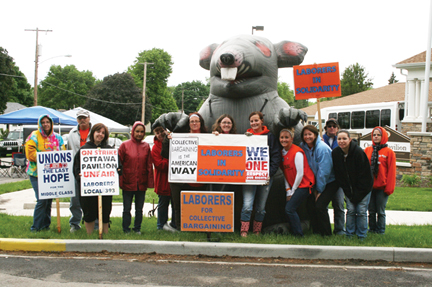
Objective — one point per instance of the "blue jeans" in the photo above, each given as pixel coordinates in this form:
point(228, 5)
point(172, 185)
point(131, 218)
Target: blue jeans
point(75, 208)
point(356, 219)
point(162, 214)
point(42, 211)
point(249, 192)
point(377, 207)
point(339, 212)
point(291, 206)
point(127, 205)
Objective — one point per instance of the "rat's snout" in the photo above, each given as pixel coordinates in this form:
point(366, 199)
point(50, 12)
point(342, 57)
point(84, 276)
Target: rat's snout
point(227, 59)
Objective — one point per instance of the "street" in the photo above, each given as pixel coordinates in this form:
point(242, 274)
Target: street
point(54, 269)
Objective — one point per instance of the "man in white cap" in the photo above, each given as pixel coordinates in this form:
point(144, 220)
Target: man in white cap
point(78, 136)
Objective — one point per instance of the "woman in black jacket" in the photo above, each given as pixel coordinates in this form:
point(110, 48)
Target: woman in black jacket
point(353, 174)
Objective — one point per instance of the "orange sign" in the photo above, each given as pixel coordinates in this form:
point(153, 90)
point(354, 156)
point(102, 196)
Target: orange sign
point(317, 81)
point(223, 164)
point(207, 211)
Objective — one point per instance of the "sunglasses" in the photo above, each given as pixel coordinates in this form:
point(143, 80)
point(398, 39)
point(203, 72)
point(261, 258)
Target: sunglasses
point(331, 126)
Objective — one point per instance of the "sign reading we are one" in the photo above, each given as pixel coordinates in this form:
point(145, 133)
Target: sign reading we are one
point(207, 158)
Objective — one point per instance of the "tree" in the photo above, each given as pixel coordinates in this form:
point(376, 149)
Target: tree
point(194, 95)
point(62, 87)
point(157, 95)
point(106, 96)
point(21, 91)
point(392, 79)
point(6, 81)
point(355, 80)
point(285, 93)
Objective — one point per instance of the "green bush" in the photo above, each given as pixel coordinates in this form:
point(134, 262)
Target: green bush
point(3, 133)
point(411, 180)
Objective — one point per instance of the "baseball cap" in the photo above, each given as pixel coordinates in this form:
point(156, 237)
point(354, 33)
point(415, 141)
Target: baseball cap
point(332, 121)
point(83, 113)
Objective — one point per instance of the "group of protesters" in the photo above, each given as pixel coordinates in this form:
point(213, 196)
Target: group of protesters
point(319, 171)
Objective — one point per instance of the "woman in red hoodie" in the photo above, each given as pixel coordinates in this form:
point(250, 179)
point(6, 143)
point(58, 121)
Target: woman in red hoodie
point(383, 165)
point(137, 175)
point(162, 187)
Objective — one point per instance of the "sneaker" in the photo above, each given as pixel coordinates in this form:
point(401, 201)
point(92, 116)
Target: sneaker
point(74, 228)
point(168, 227)
point(137, 232)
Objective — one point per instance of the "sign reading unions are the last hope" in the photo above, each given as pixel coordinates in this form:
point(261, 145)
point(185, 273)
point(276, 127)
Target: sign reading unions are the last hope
point(317, 81)
point(99, 174)
point(207, 158)
point(55, 174)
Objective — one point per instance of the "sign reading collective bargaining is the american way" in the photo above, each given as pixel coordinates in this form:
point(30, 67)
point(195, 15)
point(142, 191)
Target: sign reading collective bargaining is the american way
point(207, 158)
point(55, 174)
point(99, 174)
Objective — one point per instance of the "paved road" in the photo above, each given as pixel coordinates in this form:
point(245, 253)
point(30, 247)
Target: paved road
point(55, 271)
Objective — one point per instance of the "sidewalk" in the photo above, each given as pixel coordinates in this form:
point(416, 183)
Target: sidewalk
point(22, 203)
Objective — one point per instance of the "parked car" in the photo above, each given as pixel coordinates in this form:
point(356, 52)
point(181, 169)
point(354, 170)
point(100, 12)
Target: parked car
point(12, 143)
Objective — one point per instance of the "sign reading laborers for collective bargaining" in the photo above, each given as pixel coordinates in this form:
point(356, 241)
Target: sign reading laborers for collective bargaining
point(55, 174)
point(317, 81)
point(99, 174)
point(207, 158)
point(205, 211)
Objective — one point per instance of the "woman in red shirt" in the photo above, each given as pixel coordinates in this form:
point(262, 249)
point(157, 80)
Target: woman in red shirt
point(137, 175)
point(299, 178)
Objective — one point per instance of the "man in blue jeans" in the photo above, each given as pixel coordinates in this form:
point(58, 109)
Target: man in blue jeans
point(78, 136)
point(330, 138)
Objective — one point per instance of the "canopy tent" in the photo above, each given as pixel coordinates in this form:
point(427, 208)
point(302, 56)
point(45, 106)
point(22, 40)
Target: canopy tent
point(32, 114)
point(113, 127)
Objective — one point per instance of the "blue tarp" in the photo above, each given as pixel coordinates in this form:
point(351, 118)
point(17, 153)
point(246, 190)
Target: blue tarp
point(32, 114)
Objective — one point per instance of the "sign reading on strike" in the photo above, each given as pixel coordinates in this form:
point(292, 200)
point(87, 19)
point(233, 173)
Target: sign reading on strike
point(99, 174)
point(317, 81)
point(207, 211)
point(207, 158)
point(55, 174)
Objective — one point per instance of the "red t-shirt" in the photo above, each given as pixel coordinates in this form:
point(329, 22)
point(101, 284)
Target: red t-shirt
point(83, 135)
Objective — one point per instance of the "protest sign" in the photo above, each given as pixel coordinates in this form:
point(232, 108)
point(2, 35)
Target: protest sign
point(99, 174)
point(207, 158)
point(207, 211)
point(55, 174)
point(317, 81)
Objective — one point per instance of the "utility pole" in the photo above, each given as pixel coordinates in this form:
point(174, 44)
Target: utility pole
point(144, 89)
point(182, 100)
point(36, 62)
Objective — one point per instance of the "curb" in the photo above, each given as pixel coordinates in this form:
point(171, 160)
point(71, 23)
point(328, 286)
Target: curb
point(391, 254)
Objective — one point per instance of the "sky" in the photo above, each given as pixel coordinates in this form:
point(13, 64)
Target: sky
point(105, 37)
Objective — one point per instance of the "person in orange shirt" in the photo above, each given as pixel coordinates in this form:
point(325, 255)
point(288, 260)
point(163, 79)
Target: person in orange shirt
point(299, 178)
point(383, 166)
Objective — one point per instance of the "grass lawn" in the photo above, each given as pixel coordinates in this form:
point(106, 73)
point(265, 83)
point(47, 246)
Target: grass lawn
point(404, 198)
point(396, 235)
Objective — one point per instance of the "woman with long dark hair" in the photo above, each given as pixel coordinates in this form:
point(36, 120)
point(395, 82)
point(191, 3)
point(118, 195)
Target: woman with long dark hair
point(99, 136)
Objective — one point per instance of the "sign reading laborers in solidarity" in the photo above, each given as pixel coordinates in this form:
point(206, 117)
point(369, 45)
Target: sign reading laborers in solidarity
point(99, 172)
point(207, 158)
point(55, 174)
point(317, 81)
point(207, 211)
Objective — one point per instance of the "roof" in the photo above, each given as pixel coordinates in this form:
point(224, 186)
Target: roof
point(390, 93)
point(419, 58)
point(11, 107)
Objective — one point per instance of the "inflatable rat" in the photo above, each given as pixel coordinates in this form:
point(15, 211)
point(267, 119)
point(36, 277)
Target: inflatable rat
point(243, 79)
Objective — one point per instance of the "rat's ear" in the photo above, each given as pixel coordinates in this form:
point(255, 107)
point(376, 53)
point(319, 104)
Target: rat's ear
point(290, 53)
point(206, 55)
